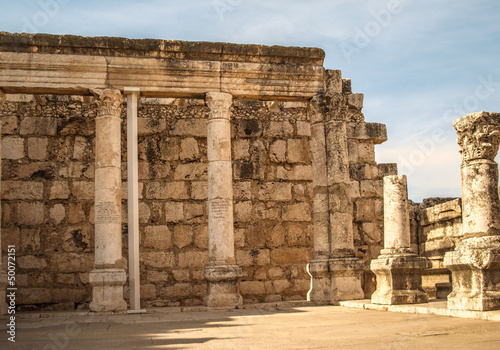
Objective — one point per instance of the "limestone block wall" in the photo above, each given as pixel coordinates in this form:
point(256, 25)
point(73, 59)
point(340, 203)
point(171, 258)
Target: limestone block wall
point(48, 198)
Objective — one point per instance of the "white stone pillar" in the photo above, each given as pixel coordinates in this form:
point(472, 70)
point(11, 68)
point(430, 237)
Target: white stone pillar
point(3, 274)
point(222, 273)
point(396, 217)
point(133, 199)
point(108, 276)
point(398, 268)
point(475, 263)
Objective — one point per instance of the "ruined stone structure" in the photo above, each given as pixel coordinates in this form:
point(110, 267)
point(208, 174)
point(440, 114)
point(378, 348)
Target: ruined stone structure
point(252, 162)
point(141, 173)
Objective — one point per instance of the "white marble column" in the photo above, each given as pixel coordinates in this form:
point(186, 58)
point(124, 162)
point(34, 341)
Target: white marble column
point(398, 268)
point(222, 273)
point(108, 276)
point(3, 274)
point(475, 263)
point(132, 95)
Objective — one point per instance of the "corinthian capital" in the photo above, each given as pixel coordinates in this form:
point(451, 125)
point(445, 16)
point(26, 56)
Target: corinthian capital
point(219, 104)
point(478, 135)
point(109, 101)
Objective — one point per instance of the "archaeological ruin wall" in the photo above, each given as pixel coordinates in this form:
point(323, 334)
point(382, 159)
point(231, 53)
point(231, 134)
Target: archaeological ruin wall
point(48, 170)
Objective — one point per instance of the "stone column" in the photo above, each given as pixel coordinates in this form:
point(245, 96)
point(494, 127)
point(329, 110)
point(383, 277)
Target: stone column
point(336, 274)
point(222, 273)
point(108, 276)
point(398, 268)
point(3, 274)
point(318, 268)
point(475, 263)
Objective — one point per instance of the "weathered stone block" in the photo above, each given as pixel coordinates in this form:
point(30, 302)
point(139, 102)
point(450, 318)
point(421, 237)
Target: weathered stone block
point(59, 190)
point(276, 236)
point(38, 126)
point(241, 149)
point(352, 151)
point(275, 272)
point(364, 210)
point(375, 132)
point(189, 149)
point(275, 191)
point(30, 238)
point(30, 213)
point(34, 296)
point(174, 211)
point(191, 171)
point(199, 190)
point(158, 237)
point(149, 126)
point(166, 190)
point(183, 235)
point(57, 213)
point(190, 127)
point(290, 256)
point(31, 262)
point(294, 173)
point(181, 275)
point(385, 169)
point(193, 259)
point(201, 236)
point(281, 285)
point(83, 190)
point(372, 188)
point(144, 213)
point(12, 190)
point(242, 190)
point(366, 152)
point(441, 212)
point(276, 128)
point(303, 128)
point(297, 212)
point(363, 171)
point(298, 236)
point(9, 125)
point(255, 288)
point(243, 211)
point(37, 148)
point(298, 151)
point(12, 148)
point(158, 259)
point(277, 152)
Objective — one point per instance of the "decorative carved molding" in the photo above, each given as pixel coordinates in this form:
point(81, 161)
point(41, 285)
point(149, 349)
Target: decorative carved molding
point(108, 101)
point(219, 104)
point(478, 135)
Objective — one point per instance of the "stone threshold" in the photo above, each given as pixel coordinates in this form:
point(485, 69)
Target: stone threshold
point(433, 307)
point(160, 310)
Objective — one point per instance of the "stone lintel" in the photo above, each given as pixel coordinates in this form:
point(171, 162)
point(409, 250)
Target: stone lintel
point(441, 212)
point(375, 132)
point(57, 64)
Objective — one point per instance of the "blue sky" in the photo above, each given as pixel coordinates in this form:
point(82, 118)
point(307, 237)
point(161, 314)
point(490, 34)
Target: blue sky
point(420, 64)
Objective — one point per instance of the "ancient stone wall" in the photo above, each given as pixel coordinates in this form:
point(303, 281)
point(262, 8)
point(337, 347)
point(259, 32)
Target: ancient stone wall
point(48, 198)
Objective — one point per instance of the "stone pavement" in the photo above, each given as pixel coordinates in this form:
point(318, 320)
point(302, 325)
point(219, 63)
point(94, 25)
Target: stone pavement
point(286, 326)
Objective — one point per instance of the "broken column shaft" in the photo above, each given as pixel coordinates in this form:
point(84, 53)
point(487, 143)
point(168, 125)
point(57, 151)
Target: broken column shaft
point(475, 263)
point(398, 268)
point(108, 276)
point(222, 273)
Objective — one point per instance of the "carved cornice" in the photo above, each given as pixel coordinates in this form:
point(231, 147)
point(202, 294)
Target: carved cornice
point(108, 101)
point(478, 135)
point(219, 104)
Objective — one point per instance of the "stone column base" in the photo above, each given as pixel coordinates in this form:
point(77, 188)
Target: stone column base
point(399, 279)
point(4, 307)
point(321, 281)
point(223, 286)
point(347, 276)
point(335, 279)
point(107, 289)
point(475, 275)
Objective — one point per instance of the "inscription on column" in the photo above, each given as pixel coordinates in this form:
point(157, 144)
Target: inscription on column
point(106, 213)
point(219, 209)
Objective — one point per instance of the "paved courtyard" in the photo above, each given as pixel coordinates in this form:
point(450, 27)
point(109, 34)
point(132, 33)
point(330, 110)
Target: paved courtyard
point(298, 327)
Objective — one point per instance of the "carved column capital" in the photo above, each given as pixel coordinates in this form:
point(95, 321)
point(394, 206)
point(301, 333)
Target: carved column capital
point(219, 104)
point(317, 109)
point(108, 101)
point(478, 135)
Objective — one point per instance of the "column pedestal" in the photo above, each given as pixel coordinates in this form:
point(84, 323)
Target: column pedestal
point(475, 263)
point(107, 289)
point(399, 280)
point(223, 286)
point(475, 270)
point(346, 279)
point(321, 281)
